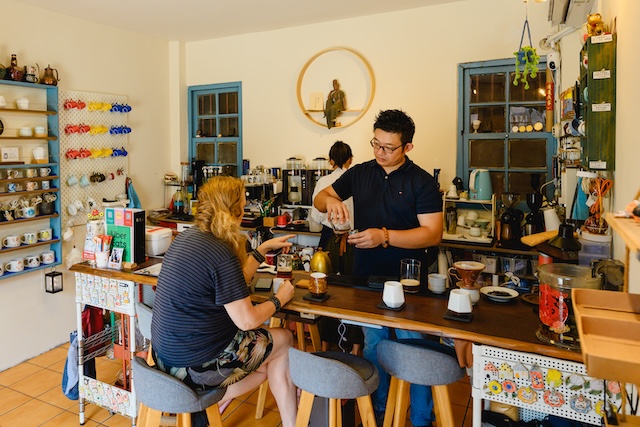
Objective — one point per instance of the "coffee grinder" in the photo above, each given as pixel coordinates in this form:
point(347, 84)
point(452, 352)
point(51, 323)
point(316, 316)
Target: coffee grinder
point(534, 221)
point(294, 181)
point(510, 221)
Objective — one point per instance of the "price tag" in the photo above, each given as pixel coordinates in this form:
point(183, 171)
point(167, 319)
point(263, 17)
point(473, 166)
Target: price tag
point(599, 108)
point(598, 164)
point(604, 38)
point(603, 74)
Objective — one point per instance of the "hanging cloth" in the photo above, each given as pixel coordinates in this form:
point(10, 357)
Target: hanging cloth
point(134, 201)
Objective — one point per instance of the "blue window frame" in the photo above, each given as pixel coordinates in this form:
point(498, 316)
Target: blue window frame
point(509, 138)
point(215, 126)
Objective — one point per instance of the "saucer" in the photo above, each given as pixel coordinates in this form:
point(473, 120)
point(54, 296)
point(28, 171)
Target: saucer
point(499, 294)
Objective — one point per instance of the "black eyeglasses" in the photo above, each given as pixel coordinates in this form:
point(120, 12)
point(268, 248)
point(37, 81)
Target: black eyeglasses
point(376, 146)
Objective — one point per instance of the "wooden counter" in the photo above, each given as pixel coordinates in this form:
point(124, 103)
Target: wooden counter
point(510, 325)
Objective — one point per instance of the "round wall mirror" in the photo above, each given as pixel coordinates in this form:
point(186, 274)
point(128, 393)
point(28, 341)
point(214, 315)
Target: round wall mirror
point(335, 88)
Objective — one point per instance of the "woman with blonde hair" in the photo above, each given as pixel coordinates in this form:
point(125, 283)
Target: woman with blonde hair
point(205, 330)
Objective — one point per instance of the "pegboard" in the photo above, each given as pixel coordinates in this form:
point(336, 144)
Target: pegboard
point(98, 140)
point(562, 388)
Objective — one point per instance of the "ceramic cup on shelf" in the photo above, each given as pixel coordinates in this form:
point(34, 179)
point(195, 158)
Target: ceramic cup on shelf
point(11, 241)
point(14, 266)
point(29, 238)
point(45, 234)
point(31, 173)
point(44, 172)
point(32, 261)
point(48, 257)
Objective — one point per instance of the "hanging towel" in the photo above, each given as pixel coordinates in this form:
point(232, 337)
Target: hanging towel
point(134, 201)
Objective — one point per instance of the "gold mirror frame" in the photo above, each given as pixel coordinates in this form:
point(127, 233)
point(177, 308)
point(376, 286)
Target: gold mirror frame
point(372, 84)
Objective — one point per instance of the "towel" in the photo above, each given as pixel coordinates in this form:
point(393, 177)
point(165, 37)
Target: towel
point(134, 201)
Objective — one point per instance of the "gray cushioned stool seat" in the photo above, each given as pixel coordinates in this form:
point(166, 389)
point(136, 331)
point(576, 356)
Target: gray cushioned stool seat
point(420, 362)
point(333, 375)
point(164, 393)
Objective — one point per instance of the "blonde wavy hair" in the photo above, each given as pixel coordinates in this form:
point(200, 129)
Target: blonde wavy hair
point(219, 211)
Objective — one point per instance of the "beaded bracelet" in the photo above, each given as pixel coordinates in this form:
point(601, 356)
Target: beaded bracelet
point(258, 256)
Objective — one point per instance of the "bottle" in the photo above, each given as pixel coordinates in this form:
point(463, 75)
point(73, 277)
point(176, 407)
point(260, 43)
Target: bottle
point(178, 202)
point(14, 72)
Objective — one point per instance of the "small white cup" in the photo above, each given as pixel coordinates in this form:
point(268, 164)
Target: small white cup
point(102, 259)
point(276, 283)
point(437, 283)
point(393, 294)
point(40, 131)
point(48, 257)
point(14, 265)
point(459, 301)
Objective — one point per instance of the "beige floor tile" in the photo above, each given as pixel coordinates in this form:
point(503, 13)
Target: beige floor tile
point(50, 357)
point(244, 416)
point(92, 412)
point(58, 366)
point(117, 421)
point(31, 414)
point(68, 419)
point(11, 399)
point(17, 373)
point(57, 398)
point(35, 385)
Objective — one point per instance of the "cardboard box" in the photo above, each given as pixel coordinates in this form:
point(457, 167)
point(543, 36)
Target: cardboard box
point(127, 226)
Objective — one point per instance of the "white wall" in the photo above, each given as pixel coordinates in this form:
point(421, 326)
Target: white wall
point(92, 58)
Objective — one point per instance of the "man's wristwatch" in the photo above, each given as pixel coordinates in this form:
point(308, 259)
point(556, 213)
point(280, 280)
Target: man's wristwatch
point(275, 302)
point(385, 243)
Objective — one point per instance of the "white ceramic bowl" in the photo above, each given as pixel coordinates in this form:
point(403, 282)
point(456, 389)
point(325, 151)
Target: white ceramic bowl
point(25, 131)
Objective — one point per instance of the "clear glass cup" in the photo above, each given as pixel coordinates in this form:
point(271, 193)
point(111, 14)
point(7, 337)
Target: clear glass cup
point(284, 266)
point(410, 274)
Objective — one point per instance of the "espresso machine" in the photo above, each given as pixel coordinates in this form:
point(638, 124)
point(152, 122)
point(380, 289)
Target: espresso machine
point(294, 182)
point(319, 167)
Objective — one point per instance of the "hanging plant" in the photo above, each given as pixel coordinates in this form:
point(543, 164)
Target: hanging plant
point(526, 57)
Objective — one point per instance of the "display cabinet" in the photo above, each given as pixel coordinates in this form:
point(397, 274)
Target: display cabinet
point(484, 210)
point(598, 86)
point(30, 227)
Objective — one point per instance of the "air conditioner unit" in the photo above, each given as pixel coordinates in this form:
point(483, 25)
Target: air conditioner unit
point(572, 13)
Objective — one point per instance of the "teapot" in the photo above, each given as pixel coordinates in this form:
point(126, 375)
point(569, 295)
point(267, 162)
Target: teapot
point(48, 77)
point(320, 262)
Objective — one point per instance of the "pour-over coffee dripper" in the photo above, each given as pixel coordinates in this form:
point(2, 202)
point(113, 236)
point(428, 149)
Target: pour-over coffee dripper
point(467, 272)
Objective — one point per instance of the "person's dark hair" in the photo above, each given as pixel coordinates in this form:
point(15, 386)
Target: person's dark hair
point(340, 153)
point(396, 121)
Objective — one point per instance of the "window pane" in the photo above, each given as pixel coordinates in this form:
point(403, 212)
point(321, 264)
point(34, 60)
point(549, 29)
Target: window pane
point(528, 153)
point(206, 127)
point(487, 153)
point(207, 152)
point(487, 88)
point(521, 183)
point(228, 103)
point(492, 119)
point(227, 152)
point(229, 126)
point(536, 91)
point(526, 116)
point(206, 105)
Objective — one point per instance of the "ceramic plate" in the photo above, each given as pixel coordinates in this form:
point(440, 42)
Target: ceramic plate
point(499, 294)
point(531, 298)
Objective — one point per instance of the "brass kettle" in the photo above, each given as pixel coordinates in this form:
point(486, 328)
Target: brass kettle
point(320, 262)
point(48, 78)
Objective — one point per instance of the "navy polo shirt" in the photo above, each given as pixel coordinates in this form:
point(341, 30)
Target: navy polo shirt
point(392, 201)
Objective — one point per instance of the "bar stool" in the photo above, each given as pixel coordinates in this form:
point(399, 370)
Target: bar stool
point(333, 375)
point(160, 392)
point(420, 362)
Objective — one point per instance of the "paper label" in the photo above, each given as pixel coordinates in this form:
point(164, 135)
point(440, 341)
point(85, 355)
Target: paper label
point(602, 74)
point(597, 164)
point(599, 108)
point(604, 38)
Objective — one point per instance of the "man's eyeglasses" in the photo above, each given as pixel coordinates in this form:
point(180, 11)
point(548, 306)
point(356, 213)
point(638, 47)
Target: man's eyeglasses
point(376, 146)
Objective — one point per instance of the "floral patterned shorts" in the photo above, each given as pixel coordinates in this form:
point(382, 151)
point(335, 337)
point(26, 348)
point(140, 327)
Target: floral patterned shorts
point(244, 354)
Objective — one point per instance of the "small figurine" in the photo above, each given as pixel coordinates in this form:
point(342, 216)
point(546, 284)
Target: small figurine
point(336, 104)
point(595, 26)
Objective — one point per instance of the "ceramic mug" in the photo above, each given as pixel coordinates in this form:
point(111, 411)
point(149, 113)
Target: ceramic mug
point(32, 261)
point(31, 173)
point(1, 269)
point(48, 257)
point(12, 173)
point(14, 265)
point(31, 185)
point(11, 241)
point(72, 180)
point(84, 181)
point(45, 234)
point(29, 238)
point(44, 171)
point(12, 187)
point(27, 212)
point(45, 184)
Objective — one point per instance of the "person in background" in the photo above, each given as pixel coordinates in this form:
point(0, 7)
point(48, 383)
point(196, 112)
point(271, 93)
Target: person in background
point(340, 253)
point(205, 331)
point(398, 212)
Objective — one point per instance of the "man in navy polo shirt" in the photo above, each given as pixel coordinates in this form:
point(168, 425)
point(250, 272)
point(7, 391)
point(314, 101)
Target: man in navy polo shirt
point(398, 212)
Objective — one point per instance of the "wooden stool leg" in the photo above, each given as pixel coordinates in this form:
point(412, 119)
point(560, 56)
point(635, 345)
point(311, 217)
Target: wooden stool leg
point(365, 407)
point(302, 343)
point(304, 409)
point(262, 397)
point(441, 393)
point(392, 399)
point(333, 412)
point(213, 413)
point(402, 405)
point(314, 331)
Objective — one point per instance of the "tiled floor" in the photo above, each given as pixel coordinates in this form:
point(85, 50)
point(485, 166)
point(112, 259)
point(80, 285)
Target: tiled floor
point(31, 395)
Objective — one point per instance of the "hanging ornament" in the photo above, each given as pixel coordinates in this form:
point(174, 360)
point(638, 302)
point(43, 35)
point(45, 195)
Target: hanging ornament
point(526, 57)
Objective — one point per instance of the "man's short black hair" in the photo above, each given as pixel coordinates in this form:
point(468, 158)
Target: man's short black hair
point(396, 121)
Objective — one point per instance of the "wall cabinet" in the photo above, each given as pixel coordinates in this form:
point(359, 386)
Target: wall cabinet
point(598, 86)
point(29, 175)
